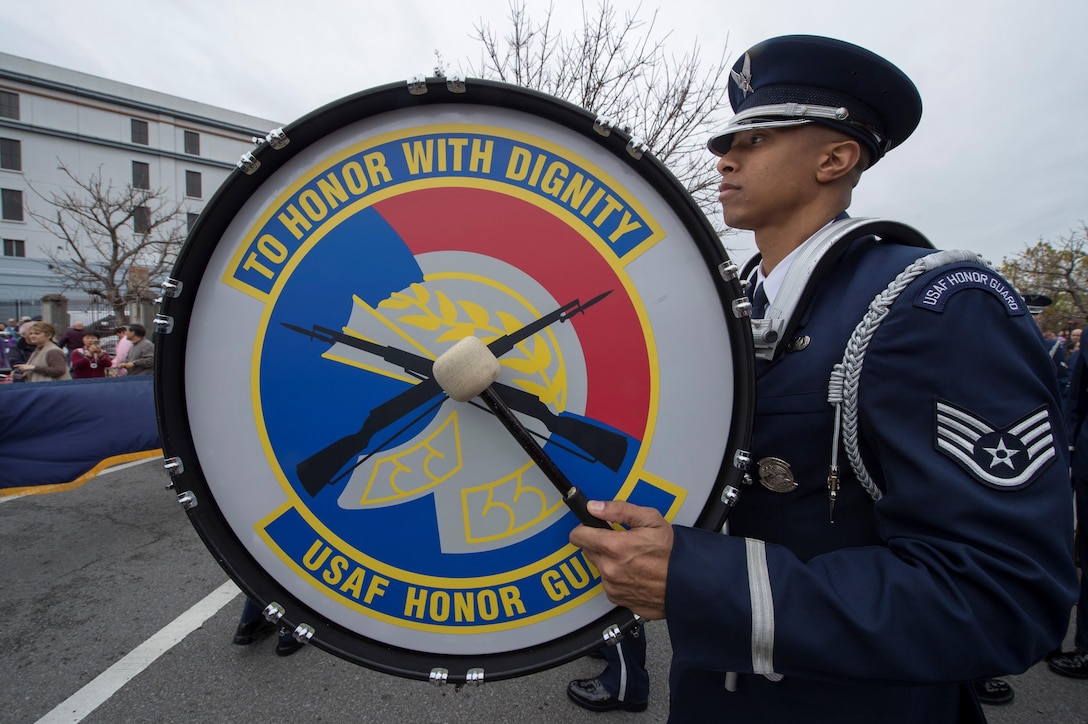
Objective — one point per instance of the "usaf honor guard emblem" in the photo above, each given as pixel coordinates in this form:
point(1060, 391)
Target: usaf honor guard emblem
point(334, 463)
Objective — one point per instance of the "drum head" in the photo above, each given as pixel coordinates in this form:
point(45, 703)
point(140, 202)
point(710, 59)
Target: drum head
point(316, 456)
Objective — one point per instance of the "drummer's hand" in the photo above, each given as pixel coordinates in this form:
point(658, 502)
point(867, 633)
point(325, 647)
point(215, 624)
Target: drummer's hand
point(634, 563)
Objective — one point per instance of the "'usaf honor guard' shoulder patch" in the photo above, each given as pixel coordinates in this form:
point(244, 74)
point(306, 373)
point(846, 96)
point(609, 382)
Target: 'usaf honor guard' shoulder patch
point(1007, 458)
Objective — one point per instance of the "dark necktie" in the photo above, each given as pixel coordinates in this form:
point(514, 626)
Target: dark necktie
point(759, 302)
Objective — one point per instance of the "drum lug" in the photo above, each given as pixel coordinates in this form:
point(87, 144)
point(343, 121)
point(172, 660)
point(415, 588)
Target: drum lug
point(273, 612)
point(730, 495)
point(417, 85)
point(455, 84)
point(276, 138)
point(612, 635)
point(742, 307)
point(728, 270)
point(187, 500)
point(439, 676)
point(249, 164)
point(171, 288)
point(303, 633)
point(474, 677)
point(603, 125)
point(164, 324)
point(637, 147)
point(746, 479)
point(174, 467)
point(742, 459)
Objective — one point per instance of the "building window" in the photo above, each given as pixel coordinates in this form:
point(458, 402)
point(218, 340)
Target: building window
point(139, 132)
point(11, 154)
point(14, 247)
point(141, 175)
point(12, 200)
point(141, 219)
point(192, 143)
point(190, 221)
point(9, 105)
point(192, 184)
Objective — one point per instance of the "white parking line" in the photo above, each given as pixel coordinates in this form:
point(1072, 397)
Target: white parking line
point(110, 681)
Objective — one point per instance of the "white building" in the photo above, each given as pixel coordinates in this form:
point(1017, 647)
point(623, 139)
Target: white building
point(51, 116)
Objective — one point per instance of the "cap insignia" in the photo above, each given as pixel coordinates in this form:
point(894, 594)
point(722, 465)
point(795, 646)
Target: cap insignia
point(743, 79)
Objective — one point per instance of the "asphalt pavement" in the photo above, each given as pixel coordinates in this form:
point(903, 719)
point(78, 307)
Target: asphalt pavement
point(112, 610)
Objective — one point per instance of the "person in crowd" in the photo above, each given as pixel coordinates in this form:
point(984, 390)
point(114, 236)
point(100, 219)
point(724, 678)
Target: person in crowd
point(253, 625)
point(140, 358)
point(120, 355)
point(938, 553)
point(1074, 662)
point(47, 362)
point(20, 352)
point(72, 338)
point(6, 341)
point(89, 361)
point(1055, 344)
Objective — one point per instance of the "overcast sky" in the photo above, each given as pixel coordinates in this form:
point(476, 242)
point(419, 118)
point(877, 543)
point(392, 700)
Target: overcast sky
point(999, 161)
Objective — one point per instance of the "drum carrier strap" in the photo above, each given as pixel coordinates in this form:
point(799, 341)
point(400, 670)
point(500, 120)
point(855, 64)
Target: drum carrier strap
point(812, 262)
point(799, 286)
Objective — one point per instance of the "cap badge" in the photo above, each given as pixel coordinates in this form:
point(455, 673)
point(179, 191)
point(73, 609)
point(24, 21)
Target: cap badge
point(743, 79)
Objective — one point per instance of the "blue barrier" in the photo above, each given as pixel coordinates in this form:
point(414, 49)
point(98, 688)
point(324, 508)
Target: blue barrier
point(54, 433)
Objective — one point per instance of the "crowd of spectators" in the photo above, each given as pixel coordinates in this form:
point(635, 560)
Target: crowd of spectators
point(30, 351)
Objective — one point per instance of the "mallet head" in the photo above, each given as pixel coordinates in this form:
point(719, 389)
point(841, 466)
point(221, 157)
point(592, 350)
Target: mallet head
point(466, 369)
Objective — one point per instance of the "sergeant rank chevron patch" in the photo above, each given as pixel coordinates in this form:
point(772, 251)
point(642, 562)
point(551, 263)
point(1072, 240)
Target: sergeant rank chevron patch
point(1006, 459)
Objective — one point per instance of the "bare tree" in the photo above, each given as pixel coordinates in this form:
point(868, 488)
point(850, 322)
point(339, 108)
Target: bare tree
point(619, 68)
point(1059, 270)
point(115, 243)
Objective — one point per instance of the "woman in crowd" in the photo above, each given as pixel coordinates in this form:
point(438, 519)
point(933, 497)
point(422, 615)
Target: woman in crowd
point(47, 361)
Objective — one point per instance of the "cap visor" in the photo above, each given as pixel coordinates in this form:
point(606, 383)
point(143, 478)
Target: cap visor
point(720, 144)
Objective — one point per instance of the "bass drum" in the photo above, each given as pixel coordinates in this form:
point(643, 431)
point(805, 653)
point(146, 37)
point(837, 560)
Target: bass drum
point(376, 518)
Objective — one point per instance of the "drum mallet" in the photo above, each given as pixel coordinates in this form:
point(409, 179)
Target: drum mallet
point(466, 370)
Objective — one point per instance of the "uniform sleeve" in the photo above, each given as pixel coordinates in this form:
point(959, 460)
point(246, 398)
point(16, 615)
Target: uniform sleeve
point(960, 413)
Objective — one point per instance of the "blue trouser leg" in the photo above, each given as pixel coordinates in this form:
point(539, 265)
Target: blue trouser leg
point(626, 677)
point(250, 612)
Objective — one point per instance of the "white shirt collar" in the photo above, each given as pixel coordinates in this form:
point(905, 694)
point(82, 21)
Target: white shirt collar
point(772, 282)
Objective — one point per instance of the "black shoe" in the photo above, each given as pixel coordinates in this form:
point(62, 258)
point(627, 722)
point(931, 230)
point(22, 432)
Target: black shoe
point(1051, 655)
point(591, 694)
point(247, 633)
point(287, 645)
point(1073, 664)
point(993, 691)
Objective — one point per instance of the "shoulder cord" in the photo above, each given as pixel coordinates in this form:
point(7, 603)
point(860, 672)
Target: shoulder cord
point(842, 388)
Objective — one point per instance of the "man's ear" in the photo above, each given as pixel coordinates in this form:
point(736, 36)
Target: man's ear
point(840, 158)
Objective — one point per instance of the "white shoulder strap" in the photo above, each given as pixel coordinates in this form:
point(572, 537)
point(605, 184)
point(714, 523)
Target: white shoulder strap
point(781, 316)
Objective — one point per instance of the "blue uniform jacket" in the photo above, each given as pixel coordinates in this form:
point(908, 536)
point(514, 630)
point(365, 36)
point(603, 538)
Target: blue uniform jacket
point(949, 578)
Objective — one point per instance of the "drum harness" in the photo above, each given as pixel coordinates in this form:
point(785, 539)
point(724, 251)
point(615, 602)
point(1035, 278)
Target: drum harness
point(798, 288)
